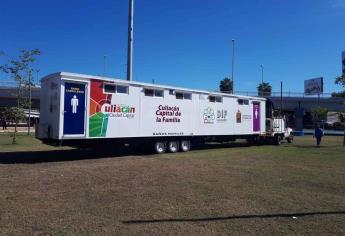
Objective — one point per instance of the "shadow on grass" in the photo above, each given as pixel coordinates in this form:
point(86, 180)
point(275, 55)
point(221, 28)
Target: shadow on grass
point(267, 216)
point(32, 157)
point(314, 146)
point(220, 145)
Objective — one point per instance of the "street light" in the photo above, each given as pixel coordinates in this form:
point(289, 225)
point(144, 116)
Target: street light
point(233, 64)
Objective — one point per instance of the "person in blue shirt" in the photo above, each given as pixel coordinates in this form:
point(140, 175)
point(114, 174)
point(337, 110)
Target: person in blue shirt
point(318, 133)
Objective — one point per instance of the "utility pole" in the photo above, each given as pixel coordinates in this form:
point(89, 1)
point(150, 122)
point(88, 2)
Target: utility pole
point(344, 136)
point(130, 41)
point(233, 65)
point(104, 64)
point(37, 79)
point(281, 97)
point(29, 121)
point(262, 80)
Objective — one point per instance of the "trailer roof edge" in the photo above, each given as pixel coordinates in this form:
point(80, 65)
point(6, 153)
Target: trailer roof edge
point(84, 76)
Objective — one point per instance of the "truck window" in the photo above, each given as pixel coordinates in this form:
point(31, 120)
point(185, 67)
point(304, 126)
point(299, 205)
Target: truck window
point(154, 92)
point(158, 93)
point(187, 96)
point(179, 95)
point(109, 88)
point(149, 92)
point(122, 89)
point(243, 102)
point(215, 99)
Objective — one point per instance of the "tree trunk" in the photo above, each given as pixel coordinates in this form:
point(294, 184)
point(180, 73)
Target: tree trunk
point(344, 136)
point(14, 140)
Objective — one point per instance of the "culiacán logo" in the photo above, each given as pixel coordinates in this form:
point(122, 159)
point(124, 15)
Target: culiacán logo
point(118, 110)
point(109, 108)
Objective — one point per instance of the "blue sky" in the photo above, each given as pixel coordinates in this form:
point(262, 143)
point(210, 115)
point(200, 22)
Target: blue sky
point(184, 43)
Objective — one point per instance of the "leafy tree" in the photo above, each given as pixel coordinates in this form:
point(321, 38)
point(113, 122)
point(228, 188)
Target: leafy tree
point(264, 89)
point(226, 85)
point(338, 94)
point(319, 113)
point(20, 70)
point(340, 80)
point(341, 116)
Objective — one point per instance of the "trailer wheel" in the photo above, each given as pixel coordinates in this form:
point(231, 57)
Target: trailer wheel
point(160, 147)
point(173, 146)
point(289, 139)
point(185, 145)
point(278, 140)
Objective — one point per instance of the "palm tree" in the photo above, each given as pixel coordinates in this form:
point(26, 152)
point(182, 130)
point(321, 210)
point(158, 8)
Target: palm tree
point(264, 89)
point(226, 85)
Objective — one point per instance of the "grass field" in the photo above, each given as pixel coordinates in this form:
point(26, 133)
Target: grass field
point(259, 190)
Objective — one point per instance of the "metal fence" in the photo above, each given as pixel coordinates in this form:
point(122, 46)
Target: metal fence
point(245, 93)
point(285, 94)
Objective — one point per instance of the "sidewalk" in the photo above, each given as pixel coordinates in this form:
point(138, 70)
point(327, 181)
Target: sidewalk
point(327, 132)
point(19, 130)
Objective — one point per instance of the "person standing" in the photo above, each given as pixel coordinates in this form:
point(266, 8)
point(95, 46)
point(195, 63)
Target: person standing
point(3, 123)
point(318, 133)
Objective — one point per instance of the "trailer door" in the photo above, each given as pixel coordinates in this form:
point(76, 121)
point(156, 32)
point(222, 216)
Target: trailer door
point(74, 109)
point(256, 116)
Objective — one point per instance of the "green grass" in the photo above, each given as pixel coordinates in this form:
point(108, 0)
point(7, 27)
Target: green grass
point(229, 190)
point(23, 143)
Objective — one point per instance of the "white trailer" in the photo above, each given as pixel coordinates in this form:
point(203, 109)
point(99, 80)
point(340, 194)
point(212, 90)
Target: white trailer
point(82, 110)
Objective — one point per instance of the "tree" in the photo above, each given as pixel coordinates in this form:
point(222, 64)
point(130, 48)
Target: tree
point(264, 89)
point(20, 70)
point(319, 114)
point(338, 94)
point(340, 80)
point(342, 120)
point(226, 85)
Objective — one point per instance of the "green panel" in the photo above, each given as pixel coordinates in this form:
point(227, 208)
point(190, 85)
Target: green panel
point(96, 127)
point(105, 125)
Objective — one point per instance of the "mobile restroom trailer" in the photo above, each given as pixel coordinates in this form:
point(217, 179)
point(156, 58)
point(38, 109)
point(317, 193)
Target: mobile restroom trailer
point(83, 110)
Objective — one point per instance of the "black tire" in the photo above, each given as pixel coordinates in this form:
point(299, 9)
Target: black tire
point(289, 139)
point(185, 145)
point(160, 147)
point(173, 146)
point(278, 140)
